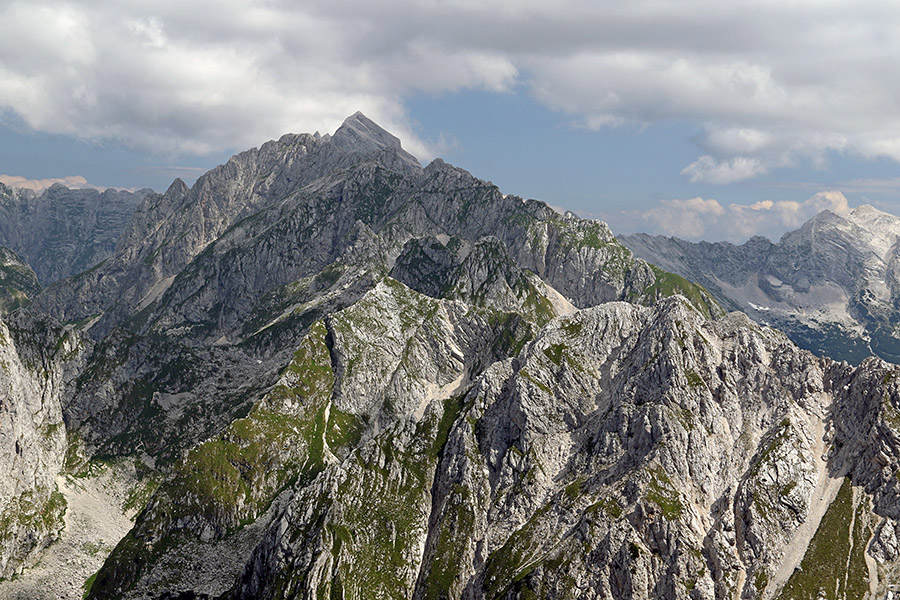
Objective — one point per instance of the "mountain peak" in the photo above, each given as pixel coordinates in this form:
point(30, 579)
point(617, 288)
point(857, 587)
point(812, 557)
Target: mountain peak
point(359, 132)
point(177, 189)
point(870, 218)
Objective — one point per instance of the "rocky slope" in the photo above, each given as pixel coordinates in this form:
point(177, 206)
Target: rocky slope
point(191, 321)
point(621, 452)
point(299, 204)
point(831, 285)
point(64, 231)
point(355, 377)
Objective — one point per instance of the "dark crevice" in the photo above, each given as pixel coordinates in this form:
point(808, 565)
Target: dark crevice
point(334, 357)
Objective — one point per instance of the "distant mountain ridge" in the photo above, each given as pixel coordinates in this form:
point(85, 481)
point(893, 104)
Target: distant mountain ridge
point(63, 231)
point(358, 184)
point(833, 285)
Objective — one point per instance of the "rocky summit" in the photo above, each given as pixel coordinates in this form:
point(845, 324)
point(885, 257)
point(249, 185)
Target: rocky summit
point(833, 285)
point(325, 371)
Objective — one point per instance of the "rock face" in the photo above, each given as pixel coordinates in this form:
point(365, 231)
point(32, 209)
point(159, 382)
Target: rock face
point(299, 204)
point(212, 287)
point(357, 377)
point(831, 285)
point(33, 355)
point(18, 283)
point(64, 231)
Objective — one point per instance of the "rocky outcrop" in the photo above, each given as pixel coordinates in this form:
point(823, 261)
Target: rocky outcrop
point(168, 231)
point(623, 452)
point(227, 276)
point(831, 285)
point(293, 206)
point(18, 283)
point(483, 274)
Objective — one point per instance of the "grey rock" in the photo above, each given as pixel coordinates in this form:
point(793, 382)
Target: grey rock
point(212, 287)
point(64, 231)
point(359, 377)
point(831, 285)
point(625, 452)
point(18, 283)
point(36, 358)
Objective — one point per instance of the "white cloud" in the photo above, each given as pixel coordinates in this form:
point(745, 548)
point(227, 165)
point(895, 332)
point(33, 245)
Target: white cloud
point(73, 181)
point(684, 218)
point(706, 169)
point(833, 201)
point(769, 84)
point(203, 76)
point(697, 217)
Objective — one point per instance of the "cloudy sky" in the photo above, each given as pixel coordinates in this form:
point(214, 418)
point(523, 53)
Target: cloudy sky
point(715, 120)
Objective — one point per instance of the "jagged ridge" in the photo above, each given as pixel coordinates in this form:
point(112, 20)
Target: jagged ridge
point(359, 377)
point(832, 285)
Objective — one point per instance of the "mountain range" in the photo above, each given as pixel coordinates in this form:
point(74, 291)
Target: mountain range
point(833, 285)
point(63, 231)
point(325, 371)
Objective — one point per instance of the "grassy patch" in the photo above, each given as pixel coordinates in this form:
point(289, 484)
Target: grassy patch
point(88, 584)
point(516, 558)
point(538, 307)
point(511, 333)
point(34, 512)
point(385, 512)
point(544, 388)
point(456, 528)
point(573, 490)
point(555, 353)
point(823, 573)
point(662, 493)
point(234, 476)
point(344, 429)
point(669, 284)
point(891, 415)
point(760, 581)
point(608, 506)
point(572, 328)
point(693, 378)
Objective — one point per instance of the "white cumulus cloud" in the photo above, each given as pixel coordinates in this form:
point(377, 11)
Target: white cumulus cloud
point(768, 84)
point(73, 181)
point(684, 218)
point(707, 169)
point(696, 218)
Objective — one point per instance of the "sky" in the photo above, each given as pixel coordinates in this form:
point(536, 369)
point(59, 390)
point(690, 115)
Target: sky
point(703, 120)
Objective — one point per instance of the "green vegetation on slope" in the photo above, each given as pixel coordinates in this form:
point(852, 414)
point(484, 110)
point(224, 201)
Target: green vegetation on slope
point(18, 283)
point(834, 567)
point(669, 284)
point(229, 480)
